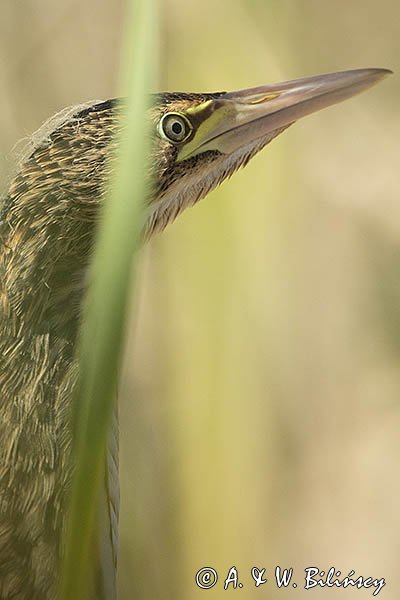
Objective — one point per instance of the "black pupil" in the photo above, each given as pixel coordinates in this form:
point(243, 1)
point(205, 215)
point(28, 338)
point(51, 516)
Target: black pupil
point(177, 128)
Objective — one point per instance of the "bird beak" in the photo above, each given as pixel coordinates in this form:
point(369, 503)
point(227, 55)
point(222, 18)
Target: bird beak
point(240, 118)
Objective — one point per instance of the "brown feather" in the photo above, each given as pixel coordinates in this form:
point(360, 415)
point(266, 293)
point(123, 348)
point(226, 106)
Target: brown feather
point(47, 225)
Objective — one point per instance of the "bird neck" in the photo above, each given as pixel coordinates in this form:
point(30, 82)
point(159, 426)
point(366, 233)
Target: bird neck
point(39, 316)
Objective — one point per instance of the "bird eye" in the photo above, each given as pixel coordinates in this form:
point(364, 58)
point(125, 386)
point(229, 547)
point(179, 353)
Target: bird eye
point(175, 127)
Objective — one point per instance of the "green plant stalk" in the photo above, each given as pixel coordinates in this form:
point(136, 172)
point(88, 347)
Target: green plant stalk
point(102, 331)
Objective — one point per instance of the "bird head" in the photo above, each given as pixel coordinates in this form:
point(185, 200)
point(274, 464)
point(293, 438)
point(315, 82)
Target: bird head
point(201, 139)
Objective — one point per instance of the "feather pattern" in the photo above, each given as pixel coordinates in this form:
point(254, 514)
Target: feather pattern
point(47, 226)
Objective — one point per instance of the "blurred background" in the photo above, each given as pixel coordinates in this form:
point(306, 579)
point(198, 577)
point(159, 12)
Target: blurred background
point(260, 393)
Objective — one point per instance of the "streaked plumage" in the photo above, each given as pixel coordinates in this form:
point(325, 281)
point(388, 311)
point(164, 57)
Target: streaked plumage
point(47, 224)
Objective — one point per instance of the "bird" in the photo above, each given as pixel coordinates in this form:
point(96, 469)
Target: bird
point(48, 221)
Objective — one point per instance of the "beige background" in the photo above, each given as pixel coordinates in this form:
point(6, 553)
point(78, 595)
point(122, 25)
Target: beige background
point(260, 396)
